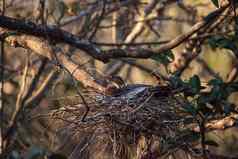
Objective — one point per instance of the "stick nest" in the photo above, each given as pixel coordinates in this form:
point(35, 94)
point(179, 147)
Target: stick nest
point(135, 109)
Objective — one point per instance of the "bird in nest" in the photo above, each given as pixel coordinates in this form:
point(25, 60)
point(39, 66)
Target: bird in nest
point(118, 88)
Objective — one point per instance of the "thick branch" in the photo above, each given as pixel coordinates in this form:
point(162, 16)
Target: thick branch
point(58, 35)
point(43, 48)
point(50, 33)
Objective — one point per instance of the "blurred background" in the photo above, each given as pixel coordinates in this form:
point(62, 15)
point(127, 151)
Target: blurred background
point(108, 24)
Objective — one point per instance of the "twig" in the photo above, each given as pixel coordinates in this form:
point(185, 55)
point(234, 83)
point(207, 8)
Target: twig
point(58, 35)
point(39, 92)
point(2, 146)
point(209, 28)
point(19, 106)
point(43, 48)
point(141, 105)
point(100, 18)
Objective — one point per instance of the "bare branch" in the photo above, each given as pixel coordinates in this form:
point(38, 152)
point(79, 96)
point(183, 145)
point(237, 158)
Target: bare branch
point(56, 55)
point(58, 35)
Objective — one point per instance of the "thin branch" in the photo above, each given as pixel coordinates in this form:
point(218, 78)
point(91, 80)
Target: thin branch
point(58, 57)
point(2, 146)
point(100, 18)
point(57, 35)
point(208, 29)
point(40, 92)
point(120, 44)
point(19, 106)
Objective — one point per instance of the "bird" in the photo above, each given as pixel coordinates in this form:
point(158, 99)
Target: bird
point(114, 83)
point(139, 90)
point(117, 81)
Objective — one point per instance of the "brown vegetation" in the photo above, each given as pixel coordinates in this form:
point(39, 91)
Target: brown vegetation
point(142, 77)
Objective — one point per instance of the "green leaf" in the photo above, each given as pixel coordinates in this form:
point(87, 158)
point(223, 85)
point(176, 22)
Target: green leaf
point(165, 58)
point(176, 82)
point(228, 108)
point(211, 143)
point(190, 109)
point(232, 87)
point(214, 82)
point(216, 3)
point(35, 152)
point(15, 155)
point(204, 99)
point(216, 93)
point(195, 136)
point(195, 84)
point(222, 42)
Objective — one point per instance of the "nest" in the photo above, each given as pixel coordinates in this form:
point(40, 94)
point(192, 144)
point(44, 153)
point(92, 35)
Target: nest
point(132, 111)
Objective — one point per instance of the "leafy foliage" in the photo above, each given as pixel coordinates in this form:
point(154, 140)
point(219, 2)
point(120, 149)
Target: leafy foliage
point(202, 100)
point(216, 3)
point(164, 58)
point(223, 42)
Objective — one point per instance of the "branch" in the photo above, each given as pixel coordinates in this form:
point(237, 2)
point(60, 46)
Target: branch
point(57, 35)
point(219, 124)
point(57, 56)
